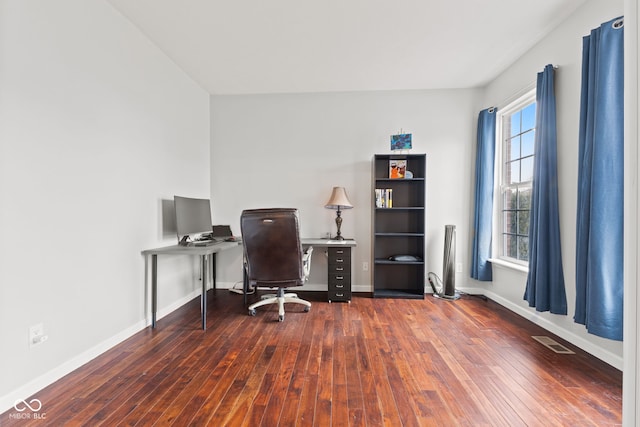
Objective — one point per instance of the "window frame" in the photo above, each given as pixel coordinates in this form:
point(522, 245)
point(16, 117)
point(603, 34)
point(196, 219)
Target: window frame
point(519, 103)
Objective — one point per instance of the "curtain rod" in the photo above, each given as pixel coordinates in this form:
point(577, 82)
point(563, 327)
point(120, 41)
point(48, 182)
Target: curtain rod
point(528, 87)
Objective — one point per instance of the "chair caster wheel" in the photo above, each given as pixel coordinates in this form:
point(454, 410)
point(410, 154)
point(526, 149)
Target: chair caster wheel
point(306, 309)
point(280, 318)
point(252, 312)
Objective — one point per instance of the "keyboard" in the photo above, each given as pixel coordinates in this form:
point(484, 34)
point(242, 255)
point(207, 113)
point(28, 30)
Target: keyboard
point(205, 242)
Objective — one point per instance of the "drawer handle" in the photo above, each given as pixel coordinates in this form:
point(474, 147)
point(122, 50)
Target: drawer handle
point(340, 251)
point(339, 295)
point(339, 286)
point(340, 277)
point(339, 260)
point(339, 268)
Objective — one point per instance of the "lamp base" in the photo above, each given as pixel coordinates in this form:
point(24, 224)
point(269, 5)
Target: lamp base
point(338, 224)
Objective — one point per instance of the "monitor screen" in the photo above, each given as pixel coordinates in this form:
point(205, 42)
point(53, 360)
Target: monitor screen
point(193, 216)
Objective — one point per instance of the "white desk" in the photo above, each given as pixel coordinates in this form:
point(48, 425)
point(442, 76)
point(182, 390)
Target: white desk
point(204, 252)
point(327, 243)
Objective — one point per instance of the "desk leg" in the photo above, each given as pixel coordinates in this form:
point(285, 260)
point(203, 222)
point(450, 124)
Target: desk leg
point(213, 269)
point(203, 297)
point(154, 289)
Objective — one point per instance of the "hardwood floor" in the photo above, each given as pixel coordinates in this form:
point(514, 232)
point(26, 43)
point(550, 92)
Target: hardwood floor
point(373, 362)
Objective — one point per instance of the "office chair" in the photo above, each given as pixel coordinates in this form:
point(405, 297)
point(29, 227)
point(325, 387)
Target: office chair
point(273, 255)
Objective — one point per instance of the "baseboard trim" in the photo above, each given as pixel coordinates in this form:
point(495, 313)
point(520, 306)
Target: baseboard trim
point(594, 350)
point(8, 401)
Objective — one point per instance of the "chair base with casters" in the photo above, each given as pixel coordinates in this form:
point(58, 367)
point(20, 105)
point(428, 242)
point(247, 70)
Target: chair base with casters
point(283, 297)
point(280, 298)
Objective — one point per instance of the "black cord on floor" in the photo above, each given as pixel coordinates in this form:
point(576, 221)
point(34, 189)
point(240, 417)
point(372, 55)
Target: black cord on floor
point(482, 297)
point(241, 291)
point(434, 281)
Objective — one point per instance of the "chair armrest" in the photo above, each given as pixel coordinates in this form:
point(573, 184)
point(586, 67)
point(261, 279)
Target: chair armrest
point(306, 262)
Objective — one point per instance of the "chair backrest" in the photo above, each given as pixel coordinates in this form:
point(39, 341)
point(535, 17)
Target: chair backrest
point(272, 248)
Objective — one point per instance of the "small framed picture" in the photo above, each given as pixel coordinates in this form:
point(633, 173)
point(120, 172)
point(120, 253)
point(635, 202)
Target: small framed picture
point(397, 169)
point(401, 141)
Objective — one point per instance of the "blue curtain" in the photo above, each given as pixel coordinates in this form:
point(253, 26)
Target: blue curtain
point(545, 282)
point(485, 159)
point(599, 229)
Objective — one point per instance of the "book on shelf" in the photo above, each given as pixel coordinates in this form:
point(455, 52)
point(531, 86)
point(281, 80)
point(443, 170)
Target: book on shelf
point(397, 169)
point(384, 197)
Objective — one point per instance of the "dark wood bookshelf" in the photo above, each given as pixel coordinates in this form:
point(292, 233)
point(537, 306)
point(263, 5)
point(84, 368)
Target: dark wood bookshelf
point(399, 229)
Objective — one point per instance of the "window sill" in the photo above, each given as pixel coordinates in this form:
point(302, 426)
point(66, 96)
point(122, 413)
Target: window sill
point(510, 265)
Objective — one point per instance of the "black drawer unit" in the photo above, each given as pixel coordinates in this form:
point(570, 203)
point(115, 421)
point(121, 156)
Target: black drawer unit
point(339, 273)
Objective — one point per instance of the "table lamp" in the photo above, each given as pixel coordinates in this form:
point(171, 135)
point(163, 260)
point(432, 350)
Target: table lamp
point(338, 201)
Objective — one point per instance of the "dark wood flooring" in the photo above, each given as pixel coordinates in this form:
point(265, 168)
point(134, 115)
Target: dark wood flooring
point(373, 362)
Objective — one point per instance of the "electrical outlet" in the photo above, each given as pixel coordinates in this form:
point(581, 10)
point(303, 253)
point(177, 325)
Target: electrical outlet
point(365, 266)
point(36, 335)
point(459, 267)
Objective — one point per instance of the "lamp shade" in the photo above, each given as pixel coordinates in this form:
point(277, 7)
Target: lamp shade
point(338, 199)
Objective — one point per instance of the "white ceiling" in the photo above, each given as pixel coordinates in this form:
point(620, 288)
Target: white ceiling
point(290, 46)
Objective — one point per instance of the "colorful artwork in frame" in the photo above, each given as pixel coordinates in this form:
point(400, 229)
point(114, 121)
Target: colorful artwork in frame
point(401, 141)
point(397, 168)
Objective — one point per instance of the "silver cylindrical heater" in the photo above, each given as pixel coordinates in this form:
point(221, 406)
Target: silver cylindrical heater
point(449, 264)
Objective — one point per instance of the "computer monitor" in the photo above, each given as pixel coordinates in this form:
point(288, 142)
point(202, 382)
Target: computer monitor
point(193, 217)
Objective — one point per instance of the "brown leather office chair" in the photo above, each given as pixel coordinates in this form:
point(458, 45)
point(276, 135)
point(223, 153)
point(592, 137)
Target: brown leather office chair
point(273, 255)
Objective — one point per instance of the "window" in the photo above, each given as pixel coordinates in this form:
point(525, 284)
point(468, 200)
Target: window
point(516, 133)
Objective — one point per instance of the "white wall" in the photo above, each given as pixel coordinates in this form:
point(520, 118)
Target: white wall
point(99, 130)
point(290, 150)
point(563, 47)
point(98, 127)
